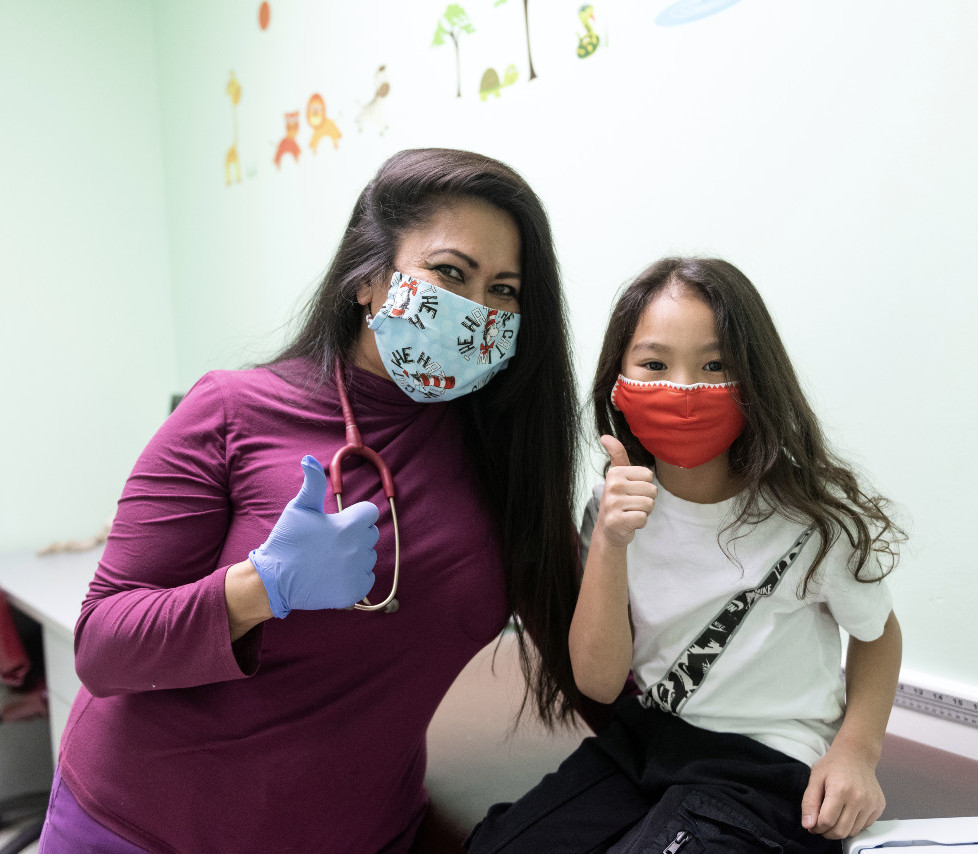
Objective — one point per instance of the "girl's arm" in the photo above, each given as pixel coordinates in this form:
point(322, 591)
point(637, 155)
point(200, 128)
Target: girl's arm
point(600, 634)
point(843, 796)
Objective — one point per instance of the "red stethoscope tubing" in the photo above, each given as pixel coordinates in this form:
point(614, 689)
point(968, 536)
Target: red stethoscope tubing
point(354, 445)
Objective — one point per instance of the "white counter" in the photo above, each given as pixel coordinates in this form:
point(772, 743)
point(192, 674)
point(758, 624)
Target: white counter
point(50, 589)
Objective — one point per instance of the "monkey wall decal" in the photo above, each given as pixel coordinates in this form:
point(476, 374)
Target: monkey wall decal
point(288, 145)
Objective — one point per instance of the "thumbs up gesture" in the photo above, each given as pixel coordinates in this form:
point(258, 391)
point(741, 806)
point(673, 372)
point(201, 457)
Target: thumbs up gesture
point(312, 560)
point(628, 498)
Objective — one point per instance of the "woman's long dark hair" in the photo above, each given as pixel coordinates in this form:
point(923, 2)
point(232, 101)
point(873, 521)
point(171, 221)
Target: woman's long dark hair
point(782, 455)
point(520, 428)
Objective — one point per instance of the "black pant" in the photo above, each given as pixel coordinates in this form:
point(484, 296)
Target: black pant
point(653, 784)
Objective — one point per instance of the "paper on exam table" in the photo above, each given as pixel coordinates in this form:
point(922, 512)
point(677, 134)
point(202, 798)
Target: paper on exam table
point(922, 835)
point(930, 849)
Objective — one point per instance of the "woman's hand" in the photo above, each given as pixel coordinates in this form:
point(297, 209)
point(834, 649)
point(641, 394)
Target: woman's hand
point(314, 560)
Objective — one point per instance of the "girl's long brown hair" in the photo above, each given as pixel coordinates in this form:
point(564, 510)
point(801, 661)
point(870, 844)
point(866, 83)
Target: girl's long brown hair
point(782, 455)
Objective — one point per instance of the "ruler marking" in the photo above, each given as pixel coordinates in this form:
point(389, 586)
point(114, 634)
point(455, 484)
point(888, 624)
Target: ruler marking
point(937, 703)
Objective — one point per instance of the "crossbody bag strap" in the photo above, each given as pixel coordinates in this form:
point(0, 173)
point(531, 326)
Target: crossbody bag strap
point(693, 665)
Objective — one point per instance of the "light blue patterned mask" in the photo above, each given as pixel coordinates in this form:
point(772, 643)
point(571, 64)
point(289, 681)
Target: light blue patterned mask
point(437, 345)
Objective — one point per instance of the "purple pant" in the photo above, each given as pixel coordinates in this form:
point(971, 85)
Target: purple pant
point(68, 829)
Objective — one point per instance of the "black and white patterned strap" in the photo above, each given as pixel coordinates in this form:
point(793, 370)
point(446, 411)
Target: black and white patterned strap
point(692, 666)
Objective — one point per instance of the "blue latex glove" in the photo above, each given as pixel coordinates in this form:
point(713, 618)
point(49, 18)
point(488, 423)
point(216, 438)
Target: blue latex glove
point(312, 560)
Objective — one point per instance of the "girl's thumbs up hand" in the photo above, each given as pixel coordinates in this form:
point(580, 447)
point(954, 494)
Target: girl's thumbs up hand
point(629, 496)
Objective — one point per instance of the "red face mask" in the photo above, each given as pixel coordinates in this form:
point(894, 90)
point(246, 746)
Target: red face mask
point(683, 425)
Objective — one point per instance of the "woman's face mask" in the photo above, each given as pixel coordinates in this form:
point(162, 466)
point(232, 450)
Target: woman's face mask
point(437, 345)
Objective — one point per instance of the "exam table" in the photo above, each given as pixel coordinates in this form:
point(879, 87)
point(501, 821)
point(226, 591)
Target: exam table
point(475, 759)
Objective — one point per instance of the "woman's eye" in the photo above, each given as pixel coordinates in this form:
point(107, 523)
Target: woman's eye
point(714, 367)
point(450, 272)
point(654, 366)
point(507, 291)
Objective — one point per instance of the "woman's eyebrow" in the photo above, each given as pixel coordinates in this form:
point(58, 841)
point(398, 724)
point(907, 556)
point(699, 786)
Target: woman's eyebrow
point(472, 262)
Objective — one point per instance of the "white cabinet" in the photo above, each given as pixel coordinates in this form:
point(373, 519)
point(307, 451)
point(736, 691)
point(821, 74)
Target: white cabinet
point(50, 589)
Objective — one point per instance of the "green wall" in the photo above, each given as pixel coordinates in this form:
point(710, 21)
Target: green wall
point(825, 147)
point(85, 286)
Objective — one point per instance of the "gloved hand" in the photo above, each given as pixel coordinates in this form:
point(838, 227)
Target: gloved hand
point(312, 560)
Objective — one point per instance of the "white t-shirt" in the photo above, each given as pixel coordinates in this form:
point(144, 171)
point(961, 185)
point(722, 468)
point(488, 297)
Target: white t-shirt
point(778, 678)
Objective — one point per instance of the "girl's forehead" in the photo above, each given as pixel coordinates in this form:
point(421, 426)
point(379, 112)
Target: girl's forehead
point(676, 309)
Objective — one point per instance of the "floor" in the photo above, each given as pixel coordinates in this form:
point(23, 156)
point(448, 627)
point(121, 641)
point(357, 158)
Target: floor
point(9, 833)
point(18, 814)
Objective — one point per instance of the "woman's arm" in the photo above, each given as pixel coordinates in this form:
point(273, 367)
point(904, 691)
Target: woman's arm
point(246, 599)
point(843, 795)
point(600, 634)
point(156, 614)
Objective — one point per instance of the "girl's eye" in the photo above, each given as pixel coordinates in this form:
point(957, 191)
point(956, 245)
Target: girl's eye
point(654, 366)
point(714, 367)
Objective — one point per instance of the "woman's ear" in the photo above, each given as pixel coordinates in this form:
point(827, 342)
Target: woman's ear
point(365, 294)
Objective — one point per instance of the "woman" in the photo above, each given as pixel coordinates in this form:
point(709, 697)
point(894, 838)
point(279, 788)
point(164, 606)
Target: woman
point(233, 698)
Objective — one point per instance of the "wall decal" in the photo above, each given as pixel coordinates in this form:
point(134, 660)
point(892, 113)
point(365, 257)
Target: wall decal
point(526, 26)
point(372, 113)
point(231, 161)
point(320, 123)
point(453, 23)
point(264, 15)
point(288, 145)
point(588, 43)
point(490, 84)
point(686, 11)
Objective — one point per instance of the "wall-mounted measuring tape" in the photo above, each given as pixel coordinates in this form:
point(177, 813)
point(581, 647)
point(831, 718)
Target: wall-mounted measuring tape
point(936, 703)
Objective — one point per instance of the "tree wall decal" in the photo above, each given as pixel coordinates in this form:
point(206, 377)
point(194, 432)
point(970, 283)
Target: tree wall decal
point(526, 25)
point(453, 22)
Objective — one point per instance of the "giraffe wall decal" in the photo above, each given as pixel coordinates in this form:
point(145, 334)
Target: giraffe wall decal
point(231, 160)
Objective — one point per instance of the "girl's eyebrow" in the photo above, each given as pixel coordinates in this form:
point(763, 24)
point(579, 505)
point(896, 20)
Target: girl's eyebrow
point(472, 262)
point(656, 347)
point(652, 346)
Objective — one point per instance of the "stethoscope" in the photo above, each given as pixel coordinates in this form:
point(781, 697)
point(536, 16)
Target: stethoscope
point(354, 445)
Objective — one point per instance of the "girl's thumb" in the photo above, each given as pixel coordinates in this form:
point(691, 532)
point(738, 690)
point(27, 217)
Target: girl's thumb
point(616, 450)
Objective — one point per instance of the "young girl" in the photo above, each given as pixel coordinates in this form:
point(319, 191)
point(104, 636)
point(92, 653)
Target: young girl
point(725, 548)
